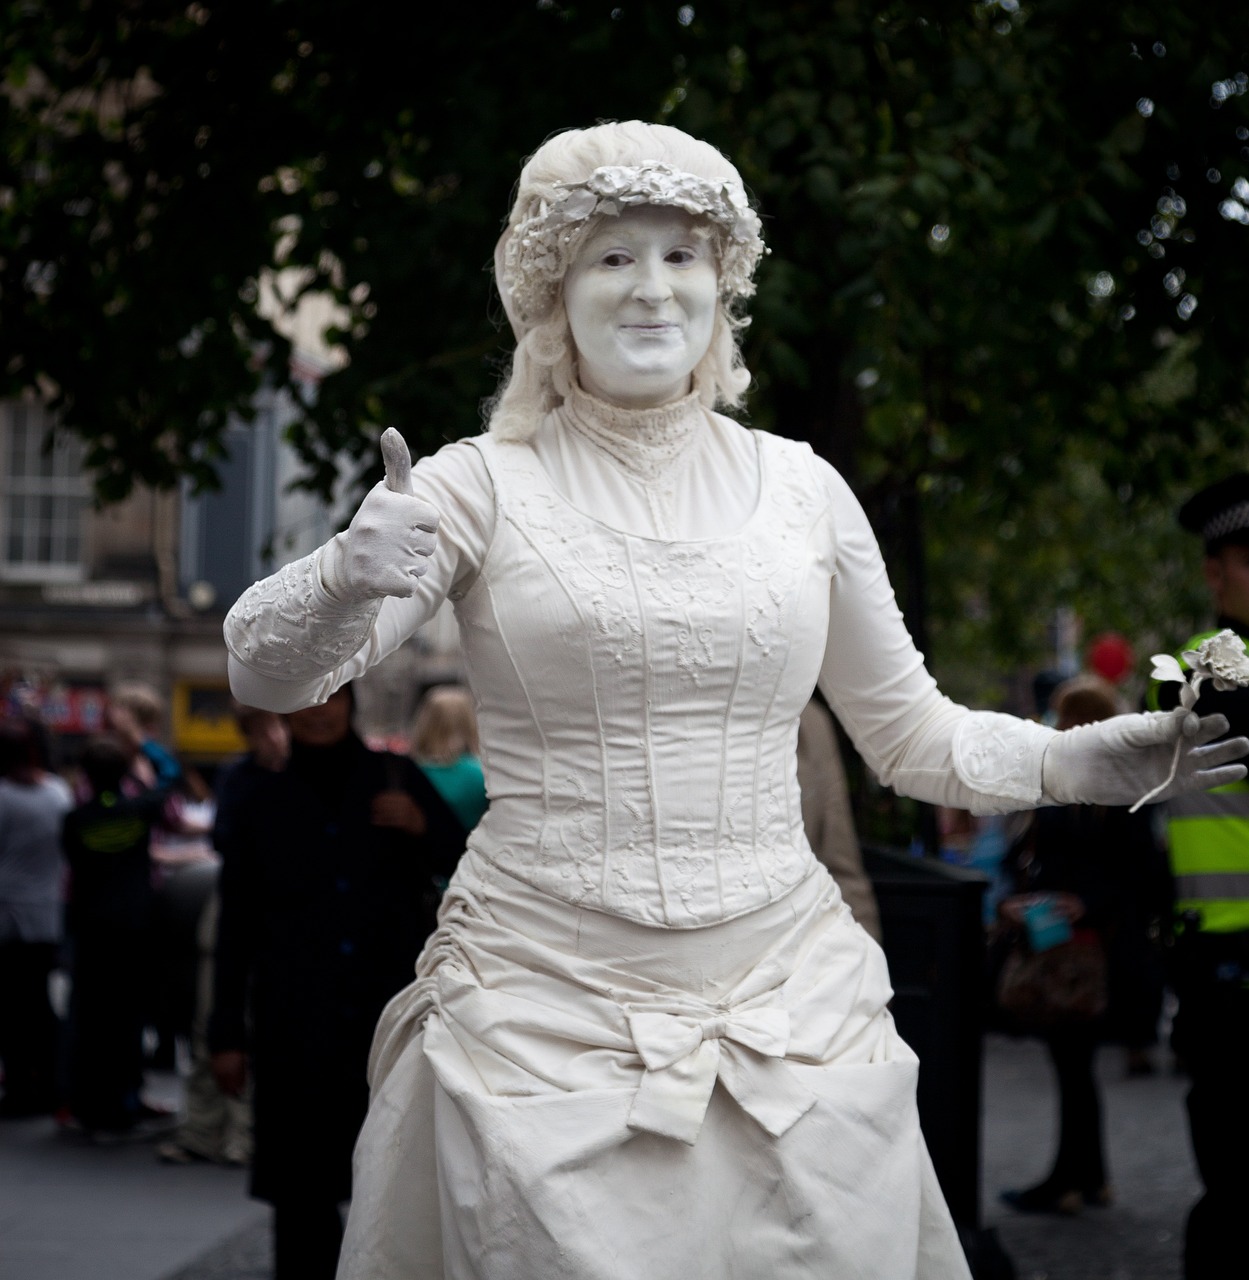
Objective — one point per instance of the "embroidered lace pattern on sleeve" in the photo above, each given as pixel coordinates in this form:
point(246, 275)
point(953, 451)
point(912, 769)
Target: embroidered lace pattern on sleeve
point(287, 627)
point(999, 756)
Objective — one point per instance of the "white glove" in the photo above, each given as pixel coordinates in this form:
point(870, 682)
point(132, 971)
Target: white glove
point(1123, 760)
point(387, 546)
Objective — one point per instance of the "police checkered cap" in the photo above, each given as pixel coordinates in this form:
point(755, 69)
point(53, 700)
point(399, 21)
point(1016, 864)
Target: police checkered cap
point(1220, 511)
point(1230, 521)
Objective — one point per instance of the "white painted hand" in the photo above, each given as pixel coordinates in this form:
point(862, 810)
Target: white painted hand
point(1120, 760)
point(387, 546)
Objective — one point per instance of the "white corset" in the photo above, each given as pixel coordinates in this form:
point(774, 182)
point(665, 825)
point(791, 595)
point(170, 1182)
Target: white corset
point(639, 698)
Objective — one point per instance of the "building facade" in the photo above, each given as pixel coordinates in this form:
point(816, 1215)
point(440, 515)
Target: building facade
point(91, 597)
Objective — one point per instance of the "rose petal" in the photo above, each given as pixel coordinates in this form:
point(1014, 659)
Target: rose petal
point(1166, 667)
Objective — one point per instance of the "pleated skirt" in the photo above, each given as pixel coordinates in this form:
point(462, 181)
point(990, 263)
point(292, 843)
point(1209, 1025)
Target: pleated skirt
point(563, 1093)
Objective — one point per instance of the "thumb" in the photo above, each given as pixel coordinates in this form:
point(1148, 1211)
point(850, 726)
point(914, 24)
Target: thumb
point(398, 462)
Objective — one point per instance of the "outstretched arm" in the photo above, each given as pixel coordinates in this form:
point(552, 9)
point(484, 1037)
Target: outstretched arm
point(911, 736)
point(920, 743)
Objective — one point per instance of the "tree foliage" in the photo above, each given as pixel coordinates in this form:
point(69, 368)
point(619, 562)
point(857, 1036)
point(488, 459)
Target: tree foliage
point(1007, 250)
point(159, 156)
point(1006, 289)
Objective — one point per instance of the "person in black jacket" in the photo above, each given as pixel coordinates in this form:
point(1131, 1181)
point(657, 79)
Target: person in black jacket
point(107, 842)
point(1092, 863)
point(327, 895)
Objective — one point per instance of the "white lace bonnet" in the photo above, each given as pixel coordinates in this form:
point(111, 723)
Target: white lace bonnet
point(549, 220)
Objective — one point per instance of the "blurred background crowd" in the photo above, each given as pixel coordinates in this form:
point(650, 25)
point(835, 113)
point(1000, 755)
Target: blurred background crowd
point(110, 858)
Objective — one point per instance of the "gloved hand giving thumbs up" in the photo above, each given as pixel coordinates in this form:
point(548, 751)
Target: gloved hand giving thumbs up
point(387, 546)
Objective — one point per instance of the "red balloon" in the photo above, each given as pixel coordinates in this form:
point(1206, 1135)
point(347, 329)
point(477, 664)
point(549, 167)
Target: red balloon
point(1111, 656)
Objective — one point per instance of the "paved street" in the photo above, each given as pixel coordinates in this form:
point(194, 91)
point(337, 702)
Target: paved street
point(73, 1211)
point(69, 1211)
point(1150, 1166)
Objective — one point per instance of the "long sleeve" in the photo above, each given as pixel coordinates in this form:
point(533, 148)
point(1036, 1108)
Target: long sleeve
point(913, 737)
point(291, 645)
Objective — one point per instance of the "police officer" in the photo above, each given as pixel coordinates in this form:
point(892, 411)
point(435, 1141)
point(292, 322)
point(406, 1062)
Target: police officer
point(1208, 834)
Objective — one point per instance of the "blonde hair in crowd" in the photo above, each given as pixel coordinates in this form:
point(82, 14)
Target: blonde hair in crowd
point(446, 725)
point(142, 701)
point(544, 365)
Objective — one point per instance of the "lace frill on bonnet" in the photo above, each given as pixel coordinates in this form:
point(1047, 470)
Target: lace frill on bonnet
point(541, 245)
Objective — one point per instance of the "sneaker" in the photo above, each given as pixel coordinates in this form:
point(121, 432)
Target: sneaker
point(236, 1157)
point(153, 1111)
point(66, 1121)
point(176, 1153)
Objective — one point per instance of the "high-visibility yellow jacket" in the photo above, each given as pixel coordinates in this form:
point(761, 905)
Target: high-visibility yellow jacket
point(1208, 831)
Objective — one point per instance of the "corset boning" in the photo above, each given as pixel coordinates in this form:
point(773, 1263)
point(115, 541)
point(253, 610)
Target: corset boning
point(639, 699)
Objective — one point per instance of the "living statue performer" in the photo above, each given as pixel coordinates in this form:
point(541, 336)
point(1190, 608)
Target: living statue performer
point(648, 1038)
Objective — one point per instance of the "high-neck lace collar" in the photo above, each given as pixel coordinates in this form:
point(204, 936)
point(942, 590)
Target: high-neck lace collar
point(647, 443)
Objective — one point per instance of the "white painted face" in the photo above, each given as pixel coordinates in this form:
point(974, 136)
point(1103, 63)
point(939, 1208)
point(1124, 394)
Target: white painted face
point(641, 303)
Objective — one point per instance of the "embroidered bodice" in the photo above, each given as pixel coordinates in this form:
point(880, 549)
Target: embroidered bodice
point(638, 697)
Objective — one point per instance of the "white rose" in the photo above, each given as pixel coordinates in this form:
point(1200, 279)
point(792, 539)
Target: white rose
point(1223, 658)
point(611, 180)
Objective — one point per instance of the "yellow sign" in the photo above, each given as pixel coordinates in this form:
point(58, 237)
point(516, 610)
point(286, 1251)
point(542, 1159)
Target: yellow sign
point(203, 724)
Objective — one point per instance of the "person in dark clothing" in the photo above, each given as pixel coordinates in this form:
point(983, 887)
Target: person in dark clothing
point(215, 1125)
point(1209, 851)
point(33, 805)
point(326, 900)
point(268, 748)
point(107, 844)
point(1080, 857)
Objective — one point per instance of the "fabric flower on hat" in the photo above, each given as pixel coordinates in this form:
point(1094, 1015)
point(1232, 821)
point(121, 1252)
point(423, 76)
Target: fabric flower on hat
point(610, 180)
point(578, 204)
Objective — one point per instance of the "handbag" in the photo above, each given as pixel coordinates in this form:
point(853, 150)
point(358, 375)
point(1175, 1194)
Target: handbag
point(1063, 985)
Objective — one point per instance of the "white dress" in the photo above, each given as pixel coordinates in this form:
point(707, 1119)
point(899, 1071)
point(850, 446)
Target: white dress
point(648, 1039)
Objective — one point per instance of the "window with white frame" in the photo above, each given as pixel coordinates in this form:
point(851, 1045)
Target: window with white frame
point(43, 497)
